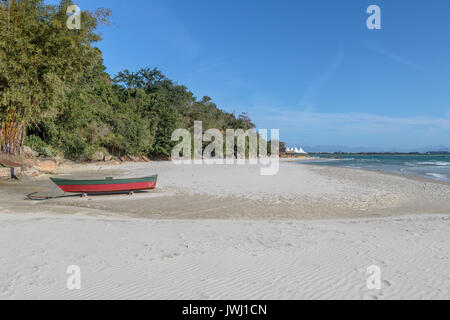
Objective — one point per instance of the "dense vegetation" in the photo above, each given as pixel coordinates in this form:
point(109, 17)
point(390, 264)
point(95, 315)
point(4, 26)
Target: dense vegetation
point(56, 96)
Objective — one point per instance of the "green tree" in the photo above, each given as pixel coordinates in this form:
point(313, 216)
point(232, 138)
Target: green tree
point(53, 87)
point(40, 61)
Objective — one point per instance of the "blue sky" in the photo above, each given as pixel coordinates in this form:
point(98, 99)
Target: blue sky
point(310, 68)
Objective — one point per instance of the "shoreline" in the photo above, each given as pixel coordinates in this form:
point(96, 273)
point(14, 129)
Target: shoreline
point(308, 192)
point(389, 173)
point(86, 165)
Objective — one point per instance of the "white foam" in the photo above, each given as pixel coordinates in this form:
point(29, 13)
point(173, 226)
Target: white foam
point(435, 163)
point(438, 176)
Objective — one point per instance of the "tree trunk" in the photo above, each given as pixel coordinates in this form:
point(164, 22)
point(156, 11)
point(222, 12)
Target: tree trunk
point(12, 135)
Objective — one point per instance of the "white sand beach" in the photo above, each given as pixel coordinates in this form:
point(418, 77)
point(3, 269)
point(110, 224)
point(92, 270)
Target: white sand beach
point(224, 150)
point(218, 232)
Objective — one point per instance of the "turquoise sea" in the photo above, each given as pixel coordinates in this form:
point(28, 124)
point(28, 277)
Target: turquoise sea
point(427, 166)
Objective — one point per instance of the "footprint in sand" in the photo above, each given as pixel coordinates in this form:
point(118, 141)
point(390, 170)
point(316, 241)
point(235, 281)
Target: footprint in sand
point(377, 294)
point(385, 284)
point(370, 297)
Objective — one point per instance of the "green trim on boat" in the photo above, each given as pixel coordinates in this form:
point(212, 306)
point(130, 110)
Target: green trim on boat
point(68, 182)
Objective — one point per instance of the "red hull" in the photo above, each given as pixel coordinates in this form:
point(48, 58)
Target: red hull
point(108, 187)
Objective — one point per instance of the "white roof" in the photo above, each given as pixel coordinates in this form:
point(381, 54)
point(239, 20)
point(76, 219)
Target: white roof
point(296, 150)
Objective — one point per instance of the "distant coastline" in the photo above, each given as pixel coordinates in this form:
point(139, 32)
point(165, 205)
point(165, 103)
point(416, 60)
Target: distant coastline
point(431, 165)
point(430, 153)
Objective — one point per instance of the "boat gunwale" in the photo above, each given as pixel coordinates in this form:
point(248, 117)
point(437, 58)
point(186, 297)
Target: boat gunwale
point(68, 182)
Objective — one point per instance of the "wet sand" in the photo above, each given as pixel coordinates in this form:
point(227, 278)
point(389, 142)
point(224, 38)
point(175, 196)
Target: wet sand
point(238, 192)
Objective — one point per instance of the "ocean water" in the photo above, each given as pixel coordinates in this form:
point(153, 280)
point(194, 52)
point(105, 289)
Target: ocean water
point(431, 167)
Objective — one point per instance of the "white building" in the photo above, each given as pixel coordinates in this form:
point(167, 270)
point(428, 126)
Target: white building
point(296, 150)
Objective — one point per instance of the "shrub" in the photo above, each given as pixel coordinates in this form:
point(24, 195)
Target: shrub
point(38, 145)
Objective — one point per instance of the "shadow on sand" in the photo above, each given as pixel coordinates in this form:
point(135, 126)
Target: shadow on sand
point(35, 197)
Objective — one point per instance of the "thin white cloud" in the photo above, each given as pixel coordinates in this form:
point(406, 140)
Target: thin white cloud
point(353, 128)
point(309, 99)
point(212, 64)
point(392, 56)
point(359, 122)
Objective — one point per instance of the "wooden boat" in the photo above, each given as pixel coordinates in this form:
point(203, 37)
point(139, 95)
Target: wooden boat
point(107, 185)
